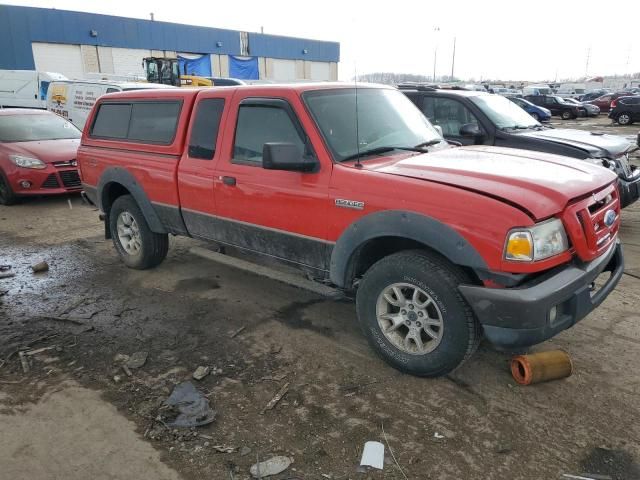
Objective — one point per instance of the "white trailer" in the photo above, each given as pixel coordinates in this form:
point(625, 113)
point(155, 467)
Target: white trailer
point(26, 88)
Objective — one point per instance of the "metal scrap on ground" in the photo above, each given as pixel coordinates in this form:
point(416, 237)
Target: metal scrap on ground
point(190, 405)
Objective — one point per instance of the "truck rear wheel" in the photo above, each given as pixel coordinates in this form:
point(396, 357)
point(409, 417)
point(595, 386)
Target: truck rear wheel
point(137, 245)
point(413, 315)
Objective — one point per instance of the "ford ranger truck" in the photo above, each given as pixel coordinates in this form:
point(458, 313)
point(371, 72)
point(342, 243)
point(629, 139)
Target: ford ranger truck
point(439, 244)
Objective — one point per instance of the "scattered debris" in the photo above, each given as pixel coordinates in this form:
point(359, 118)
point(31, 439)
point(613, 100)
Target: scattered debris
point(237, 332)
point(126, 370)
point(137, 359)
point(274, 378)
point(4, 268)
point(61, 319)
point(120, 358)
point(541, 367)
point(40, 350)
point(117, 378)
point(244, 451)
point(40, 267)
point(201, 372)
point(438, 435)
point(7, 274)
point(274, 401)
point(191, 406)
point(224, 449)
point(587, 476)
point(275, 349)
point(373, 455)
point(355, 388)
point(24, 361)
point(272, 466)
point(504, 447)
point(391, 451)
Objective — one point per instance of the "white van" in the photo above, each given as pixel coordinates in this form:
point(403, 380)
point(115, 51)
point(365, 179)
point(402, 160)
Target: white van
point(73, 99)
point(537, 90)
point(26, 88)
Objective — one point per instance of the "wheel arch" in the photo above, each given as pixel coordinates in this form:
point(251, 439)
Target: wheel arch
point(377, 235)
point(115, 182)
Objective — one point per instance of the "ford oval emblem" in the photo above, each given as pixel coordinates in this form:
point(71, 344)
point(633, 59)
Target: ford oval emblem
point(610, 217)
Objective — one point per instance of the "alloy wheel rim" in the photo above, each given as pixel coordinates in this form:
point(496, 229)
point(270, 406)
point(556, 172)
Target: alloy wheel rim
point(624, 118)
point(409, 318)
point(129, 233)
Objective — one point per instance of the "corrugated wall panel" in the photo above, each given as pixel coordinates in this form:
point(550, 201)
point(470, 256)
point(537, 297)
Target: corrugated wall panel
point(20, 26)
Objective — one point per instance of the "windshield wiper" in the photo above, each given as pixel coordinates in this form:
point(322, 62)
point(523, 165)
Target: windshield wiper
point(380, 150)
point(428, 143)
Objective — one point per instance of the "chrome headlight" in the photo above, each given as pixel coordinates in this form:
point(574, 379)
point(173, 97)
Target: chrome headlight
point(27, 162)
point(541, 241)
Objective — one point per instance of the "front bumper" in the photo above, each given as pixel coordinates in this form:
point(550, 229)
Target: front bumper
point(520, 317)
point(48, 181)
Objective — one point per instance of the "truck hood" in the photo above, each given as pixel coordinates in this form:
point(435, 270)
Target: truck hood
point(597, 145)
point(48, 151)
point(539, 183)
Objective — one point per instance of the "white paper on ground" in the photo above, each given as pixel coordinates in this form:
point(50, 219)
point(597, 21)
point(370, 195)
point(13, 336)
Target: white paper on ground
point(373, 455)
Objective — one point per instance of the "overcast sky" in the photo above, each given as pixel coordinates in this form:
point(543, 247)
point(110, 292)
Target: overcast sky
point(516, 40)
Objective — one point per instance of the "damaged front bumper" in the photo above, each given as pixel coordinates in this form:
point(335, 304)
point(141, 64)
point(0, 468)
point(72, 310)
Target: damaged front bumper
point(532, 313)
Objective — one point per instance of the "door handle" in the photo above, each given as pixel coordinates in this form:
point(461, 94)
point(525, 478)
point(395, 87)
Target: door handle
point(231, 181)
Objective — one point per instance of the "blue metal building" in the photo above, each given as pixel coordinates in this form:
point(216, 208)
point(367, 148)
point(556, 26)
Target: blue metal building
point(77, 44)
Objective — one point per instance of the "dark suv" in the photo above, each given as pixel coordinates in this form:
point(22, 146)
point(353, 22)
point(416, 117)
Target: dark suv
point(558, 106)
point(625, 110)
point(480, 118)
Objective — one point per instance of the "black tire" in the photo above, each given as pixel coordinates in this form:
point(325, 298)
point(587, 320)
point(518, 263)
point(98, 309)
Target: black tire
point(535, 116)
point(566, 115)
point(153, 247)
point(624, 118)
point(7, 197)
point(460, 333)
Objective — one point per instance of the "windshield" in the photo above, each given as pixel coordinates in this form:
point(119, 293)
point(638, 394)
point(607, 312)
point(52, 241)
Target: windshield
point(34, 127)
point(386, 118)
point(503, 112)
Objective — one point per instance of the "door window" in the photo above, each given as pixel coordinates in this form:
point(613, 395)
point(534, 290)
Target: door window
point(204, 132)
point(449, 114)
point(257, 125)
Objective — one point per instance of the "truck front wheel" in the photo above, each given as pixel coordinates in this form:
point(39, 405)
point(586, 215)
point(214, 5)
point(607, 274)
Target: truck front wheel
point(137, 245)
point(413, 315)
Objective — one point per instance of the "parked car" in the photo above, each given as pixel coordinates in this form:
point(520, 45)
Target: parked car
point(540, 114)
point(604, 102)
point(625, 110)
point(592, 110)
point(438, 243)
point(593, 94)
point(537, 90)
point(73, 99)
point(558, 106)
point(37, 154)
point(25, 88)
point(480, 118)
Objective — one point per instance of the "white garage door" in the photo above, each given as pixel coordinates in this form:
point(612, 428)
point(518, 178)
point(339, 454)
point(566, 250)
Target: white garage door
point(320, 71)
point(128, 61)
point(58, 57)
point(283, 70)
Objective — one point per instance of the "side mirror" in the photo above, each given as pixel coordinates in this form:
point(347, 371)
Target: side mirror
point(471, 130)
point(439, 130)
point(285, 156)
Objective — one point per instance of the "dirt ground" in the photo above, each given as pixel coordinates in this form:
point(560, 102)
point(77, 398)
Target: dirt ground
point(77, 414)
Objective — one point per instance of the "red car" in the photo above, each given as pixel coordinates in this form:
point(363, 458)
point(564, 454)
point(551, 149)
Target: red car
point(37, 154)
point(439, 244)
point(604, 102)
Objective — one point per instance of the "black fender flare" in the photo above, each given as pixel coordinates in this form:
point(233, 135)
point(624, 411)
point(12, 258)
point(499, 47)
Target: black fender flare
point(407, 225)
point(122, 177)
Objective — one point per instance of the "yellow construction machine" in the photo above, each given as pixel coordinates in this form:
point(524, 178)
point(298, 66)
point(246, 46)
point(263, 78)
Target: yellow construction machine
point(167, 72)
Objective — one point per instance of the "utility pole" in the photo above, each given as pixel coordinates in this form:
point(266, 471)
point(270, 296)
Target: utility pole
point(453, 58)
point(586, 68)
point(435, 53)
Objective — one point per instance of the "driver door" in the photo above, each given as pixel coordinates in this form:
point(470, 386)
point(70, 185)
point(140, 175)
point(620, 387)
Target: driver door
point(278, 213)
point(450, 115)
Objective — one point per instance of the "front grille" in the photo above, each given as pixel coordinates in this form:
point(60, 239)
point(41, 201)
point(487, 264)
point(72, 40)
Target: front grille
point(624, 165)
point(51, 182)
point(590, 214)
point(70, 178)
point(68, 163)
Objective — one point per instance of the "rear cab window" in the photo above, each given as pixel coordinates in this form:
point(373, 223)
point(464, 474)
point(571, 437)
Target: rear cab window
point(142, 121)
point(205, 128)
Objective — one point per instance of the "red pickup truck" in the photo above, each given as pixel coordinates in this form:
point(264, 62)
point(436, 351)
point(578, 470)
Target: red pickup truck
point(440, 244)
